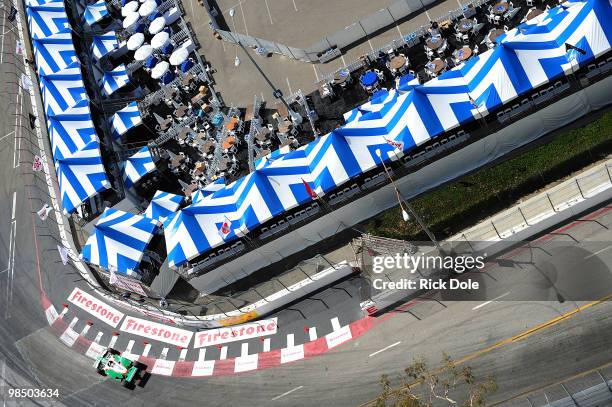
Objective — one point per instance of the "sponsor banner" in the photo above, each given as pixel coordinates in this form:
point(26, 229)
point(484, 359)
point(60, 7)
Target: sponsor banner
point(338, 337)
point(240, 319)
point(246, 363)
point(158, 332)
point(203, 368)
point(128, 284)
point(163, 367)
point(292, 354)
point(236, 333)
point(96, 307)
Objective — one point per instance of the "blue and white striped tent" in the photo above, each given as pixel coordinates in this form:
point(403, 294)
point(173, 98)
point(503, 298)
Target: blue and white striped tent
point(54, 53)
point(95, 12)
point(71, 129)
point(137, 166)
point(209, 189)
point(40, 2)
point(125, 119)
point(63, 89)
point(114, 80)
point(163, 204)
point(103, 44)
point(81, 175)
point(47, 19)
point(524, 59)
point(119, 240)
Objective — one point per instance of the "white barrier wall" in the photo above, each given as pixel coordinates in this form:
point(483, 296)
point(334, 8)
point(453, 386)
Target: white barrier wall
point(446, 169)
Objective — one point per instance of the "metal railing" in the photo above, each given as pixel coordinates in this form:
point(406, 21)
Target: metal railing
point(542, 206)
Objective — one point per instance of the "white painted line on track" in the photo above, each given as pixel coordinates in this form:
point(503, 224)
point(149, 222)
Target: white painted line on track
point(164, 354)
point(246, 30)
point(244, 350)
point(223, 354)
point(335, 323)
point(290, 341)
point(3, 22)
point(490, 301)
point(14, 205)
point(269, 14)
point(266, 345)
point(598, 252)
point(98, 337)
point(183, 354)
point(147, 349)
point(202, 354)
point(113, 341)
point(64, 311)
point(287, 393)
point(85, 329)
point(315, 71)
point(289, 86)
point(73, 322)
point(384, 349)
point(295, 6)
point(130, 346)
point(7, 134)
point(312, 333)
point(18, 113)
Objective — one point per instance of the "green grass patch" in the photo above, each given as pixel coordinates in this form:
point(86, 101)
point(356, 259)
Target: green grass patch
point(464, 202)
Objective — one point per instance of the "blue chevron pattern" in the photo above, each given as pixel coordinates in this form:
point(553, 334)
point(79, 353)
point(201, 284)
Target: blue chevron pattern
point(119, 240)
point(47, 19)
point(163, 205)
point(524, 58)
point(103, 44)
point(114, 80)
point(55, 53)
point(81, 175)
point(95, 12)
point(137, 166)
point(125, 119)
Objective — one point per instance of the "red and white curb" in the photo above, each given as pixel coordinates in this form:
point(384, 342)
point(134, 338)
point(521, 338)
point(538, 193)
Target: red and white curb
point(201, 367)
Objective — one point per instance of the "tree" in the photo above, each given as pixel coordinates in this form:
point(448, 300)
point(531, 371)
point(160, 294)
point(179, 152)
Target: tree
point(450, 385)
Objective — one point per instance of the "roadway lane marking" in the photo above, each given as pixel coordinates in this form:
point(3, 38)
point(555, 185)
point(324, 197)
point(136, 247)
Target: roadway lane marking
point(295, 6)
point(384, 349)
point(290, 341)
point(335, 323)
point(287, 393)
point(10, 267)
point(289, 85)
point(85, 330)
point(266, 345)
point(183, 355)
point(98, 337)
point(315, 71)
point(244, 350)
point(18, 113)
point(129, 347)
point(7, 134)
point(14, 204)
point(202, 354)
point(269, 15)
point(246, 30)
point(164, 354)
point(490, 301)
point(3, 22)
point(598, 252)
point(223, 354)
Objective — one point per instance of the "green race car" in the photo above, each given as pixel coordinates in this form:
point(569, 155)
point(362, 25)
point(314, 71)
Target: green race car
point(120, 369)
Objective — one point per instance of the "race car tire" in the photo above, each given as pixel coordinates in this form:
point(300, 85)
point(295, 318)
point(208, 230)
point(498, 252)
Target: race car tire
point(101, 372)
point(128, 385)
point(113, 351)
point(140, 366)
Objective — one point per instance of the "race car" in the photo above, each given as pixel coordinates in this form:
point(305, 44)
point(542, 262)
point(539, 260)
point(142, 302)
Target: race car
point(120, 369)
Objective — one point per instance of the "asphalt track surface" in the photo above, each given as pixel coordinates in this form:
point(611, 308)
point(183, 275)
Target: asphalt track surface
point(525, 344)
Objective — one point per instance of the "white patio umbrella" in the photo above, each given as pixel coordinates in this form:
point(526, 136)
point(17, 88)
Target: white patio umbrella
point(157, 25)
point(160, 40)
point(147, 8)
point(129, 8)
point(135, 41)
point(160, 69)
point(130, 20)
point(179, 56)
point(143, 52)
